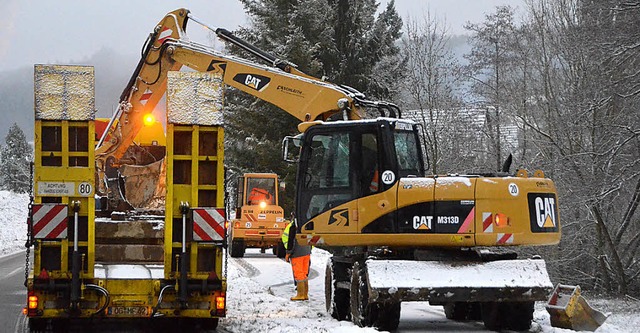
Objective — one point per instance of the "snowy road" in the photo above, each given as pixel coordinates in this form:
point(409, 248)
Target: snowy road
point(261, 284)
point(258, 301)
point(13, 295)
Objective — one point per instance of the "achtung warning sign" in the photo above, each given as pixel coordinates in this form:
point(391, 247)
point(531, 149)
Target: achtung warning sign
point(64, 189)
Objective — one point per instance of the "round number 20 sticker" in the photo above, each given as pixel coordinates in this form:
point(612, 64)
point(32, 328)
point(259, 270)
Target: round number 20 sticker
point(513, 189)
point(388, 177)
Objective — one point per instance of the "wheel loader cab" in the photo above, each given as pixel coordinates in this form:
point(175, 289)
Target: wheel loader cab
point(341, 162)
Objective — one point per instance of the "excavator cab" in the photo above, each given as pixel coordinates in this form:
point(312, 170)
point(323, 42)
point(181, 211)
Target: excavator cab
point(344, 162)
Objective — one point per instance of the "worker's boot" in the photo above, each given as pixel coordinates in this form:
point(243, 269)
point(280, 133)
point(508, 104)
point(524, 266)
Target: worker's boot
point(305, 289)
point(302, 291)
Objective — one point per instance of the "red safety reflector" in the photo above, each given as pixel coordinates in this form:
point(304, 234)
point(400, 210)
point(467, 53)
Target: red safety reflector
point(50, 221)
point(273, 232)
point(43, 274)
point(208, 224)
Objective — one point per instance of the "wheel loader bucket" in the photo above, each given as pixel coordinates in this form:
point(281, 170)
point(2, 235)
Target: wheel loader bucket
point(568, 309)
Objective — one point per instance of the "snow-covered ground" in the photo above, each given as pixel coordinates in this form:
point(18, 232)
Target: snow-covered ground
point(13, 221)
point(260, 286)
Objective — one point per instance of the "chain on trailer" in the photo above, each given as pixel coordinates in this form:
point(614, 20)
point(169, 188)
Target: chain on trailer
point(29, 225)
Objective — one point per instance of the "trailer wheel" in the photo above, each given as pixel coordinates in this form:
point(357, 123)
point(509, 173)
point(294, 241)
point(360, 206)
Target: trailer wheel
point(336, 299)
point(37, 325)
point(462, 311)
point(40, 325)
point(208, 324)
point(518, 315)
point(237, 249)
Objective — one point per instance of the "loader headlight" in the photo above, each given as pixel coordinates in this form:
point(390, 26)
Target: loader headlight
point(263, 204)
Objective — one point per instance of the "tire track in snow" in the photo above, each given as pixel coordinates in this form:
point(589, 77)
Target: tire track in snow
point(248, 268)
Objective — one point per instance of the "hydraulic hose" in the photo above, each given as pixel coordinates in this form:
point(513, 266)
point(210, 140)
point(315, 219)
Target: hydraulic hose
point(155, 308)
point(104, 292)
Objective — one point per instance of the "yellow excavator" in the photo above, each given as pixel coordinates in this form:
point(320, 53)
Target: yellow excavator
point(395, 234)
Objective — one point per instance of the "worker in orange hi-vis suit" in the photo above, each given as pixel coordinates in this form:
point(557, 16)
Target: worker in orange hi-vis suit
point(300, 257)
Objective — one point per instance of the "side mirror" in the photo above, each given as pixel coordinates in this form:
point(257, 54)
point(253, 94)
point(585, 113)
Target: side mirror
point(291, 149)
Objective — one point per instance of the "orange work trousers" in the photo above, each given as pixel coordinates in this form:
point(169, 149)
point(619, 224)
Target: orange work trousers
point(300, 266)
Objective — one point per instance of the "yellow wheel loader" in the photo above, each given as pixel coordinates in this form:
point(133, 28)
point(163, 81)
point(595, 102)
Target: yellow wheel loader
point(259, 220)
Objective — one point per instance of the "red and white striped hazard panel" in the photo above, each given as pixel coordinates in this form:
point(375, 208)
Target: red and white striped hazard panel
point(164, 34)
point(504, 239)
point(50, 221)
point(208, 224)
point(487, 222)
point(145, 96)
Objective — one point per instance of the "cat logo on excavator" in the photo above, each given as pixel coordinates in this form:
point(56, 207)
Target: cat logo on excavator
point(543, 212)
point(422, 222)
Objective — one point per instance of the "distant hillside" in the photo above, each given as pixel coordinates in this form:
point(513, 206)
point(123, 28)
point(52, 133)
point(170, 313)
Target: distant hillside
point(16, 89)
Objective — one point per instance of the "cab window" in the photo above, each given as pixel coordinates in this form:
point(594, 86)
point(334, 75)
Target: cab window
point(327, 176)
point(408, 154)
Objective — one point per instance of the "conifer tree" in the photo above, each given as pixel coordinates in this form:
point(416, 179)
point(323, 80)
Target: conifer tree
point(14, 161)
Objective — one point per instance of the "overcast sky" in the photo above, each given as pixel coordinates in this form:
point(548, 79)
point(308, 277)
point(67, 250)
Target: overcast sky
point(68, 31)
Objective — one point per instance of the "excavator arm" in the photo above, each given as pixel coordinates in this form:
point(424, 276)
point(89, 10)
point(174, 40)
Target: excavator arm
point(279, 83)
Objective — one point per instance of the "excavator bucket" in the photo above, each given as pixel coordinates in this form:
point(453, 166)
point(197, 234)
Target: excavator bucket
point(568, 309)
point(145, 186)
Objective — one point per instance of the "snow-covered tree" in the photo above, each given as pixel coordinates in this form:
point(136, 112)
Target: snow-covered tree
point(430, 80)
point(15, 157)
point(582, 116)
point(490, 63)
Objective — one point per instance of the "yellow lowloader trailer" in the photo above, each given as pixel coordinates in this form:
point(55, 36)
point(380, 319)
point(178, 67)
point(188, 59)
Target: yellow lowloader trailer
point(125, 267)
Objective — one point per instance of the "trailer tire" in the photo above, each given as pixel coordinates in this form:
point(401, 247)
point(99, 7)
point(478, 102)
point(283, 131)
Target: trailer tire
point(208, 324)
point(336, 299)
point(41, 325)
point(237, 249)
point(518, 315)
point(37, 325)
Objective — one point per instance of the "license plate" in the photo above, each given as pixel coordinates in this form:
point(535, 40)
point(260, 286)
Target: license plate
point(127, 311)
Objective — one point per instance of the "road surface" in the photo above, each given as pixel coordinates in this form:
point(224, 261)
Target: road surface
point(12, 291)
